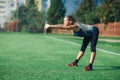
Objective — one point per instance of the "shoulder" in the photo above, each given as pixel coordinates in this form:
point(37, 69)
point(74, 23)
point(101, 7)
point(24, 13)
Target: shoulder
point(77, 25)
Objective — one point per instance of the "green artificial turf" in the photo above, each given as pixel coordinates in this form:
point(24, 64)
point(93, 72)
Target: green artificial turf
point(25, 56)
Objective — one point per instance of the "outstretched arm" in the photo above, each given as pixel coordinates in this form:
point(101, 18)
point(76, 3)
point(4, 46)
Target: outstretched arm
point(56, 26)
point(71, 26)
point(60, 26)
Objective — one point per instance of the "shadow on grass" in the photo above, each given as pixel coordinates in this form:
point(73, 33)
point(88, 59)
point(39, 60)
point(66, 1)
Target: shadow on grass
point(116, 67)
point(103, 68)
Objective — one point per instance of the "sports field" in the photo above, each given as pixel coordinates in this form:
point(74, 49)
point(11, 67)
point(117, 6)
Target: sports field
point(25, 56)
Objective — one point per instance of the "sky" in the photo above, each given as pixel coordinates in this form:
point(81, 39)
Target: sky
point(72, 5)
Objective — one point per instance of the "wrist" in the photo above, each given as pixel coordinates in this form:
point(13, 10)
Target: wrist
point(50, 26)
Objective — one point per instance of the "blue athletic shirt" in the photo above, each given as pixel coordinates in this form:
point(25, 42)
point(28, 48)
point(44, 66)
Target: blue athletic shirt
point(85, 30)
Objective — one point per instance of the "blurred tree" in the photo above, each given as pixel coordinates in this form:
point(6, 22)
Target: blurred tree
point(30, 19)
point(35, 19)
point(86, 12)
point(56, 12)
point(116, 10)
point(109, 11)
point(20, 15)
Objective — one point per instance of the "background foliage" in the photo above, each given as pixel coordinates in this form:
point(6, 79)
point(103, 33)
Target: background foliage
point(29, 18)
point(56, 12)
point(107, 11)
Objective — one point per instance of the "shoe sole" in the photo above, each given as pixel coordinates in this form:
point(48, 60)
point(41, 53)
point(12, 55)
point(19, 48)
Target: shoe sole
point(72, 65)
point(87, 70)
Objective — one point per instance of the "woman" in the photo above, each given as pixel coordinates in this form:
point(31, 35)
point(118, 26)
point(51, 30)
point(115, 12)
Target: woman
point(90, 34)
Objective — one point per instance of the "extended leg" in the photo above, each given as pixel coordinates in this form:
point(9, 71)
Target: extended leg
point(81, 53)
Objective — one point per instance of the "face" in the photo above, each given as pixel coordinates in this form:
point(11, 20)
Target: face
point(67, 22)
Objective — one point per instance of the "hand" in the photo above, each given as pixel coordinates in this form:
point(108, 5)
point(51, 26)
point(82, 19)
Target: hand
point(46, 26)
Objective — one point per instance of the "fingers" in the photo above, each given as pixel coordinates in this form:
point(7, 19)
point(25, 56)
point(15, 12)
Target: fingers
point(46, 26)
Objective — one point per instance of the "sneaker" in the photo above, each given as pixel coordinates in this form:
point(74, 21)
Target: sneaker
point(72, 64)
point(88, 68)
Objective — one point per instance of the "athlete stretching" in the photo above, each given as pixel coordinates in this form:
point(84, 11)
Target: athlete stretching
point(90, 34)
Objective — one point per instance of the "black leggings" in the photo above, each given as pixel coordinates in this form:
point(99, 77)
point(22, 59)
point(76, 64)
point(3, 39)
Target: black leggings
point(93, 39)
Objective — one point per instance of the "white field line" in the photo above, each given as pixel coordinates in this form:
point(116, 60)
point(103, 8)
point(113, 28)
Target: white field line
point(56, 39)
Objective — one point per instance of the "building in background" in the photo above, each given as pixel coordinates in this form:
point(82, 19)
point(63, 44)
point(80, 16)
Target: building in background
point(2, 7)
point(39, 4)
point(2, 11)
point(7, 7)
point(43, 5)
